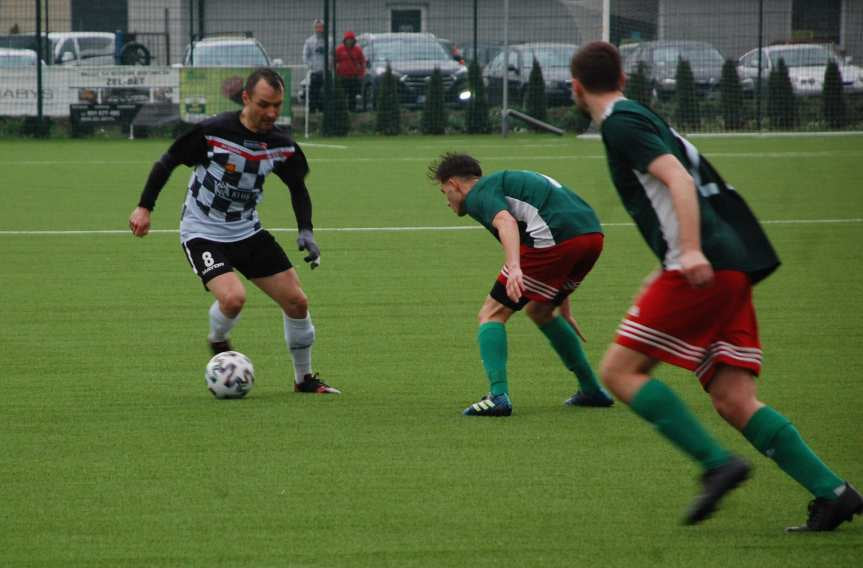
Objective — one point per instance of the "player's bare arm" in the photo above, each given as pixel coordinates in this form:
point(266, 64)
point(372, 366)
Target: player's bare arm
point(693, 264)
point(139, 221)
point(507, 229)
point(566, 313)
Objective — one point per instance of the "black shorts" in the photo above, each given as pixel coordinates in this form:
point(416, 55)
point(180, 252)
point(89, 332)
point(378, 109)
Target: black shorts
point(255, 257)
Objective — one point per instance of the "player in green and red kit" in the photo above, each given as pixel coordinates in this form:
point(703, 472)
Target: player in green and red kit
point(697, 312)
point(551, 239)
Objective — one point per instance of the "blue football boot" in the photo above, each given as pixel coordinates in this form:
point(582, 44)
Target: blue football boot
point(489, 405)
point(599, 399)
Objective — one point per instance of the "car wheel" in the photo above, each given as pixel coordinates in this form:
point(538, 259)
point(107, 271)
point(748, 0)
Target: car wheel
point(134, 54)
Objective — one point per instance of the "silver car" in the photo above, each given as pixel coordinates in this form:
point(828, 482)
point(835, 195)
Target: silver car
point(806, 64)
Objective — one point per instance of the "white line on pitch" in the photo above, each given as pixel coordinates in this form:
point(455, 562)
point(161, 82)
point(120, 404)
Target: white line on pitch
point(49, 232)
point(574, 157)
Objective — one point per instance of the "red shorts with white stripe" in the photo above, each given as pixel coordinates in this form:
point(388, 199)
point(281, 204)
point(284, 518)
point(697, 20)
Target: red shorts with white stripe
point(695, 328)
point(552, 273)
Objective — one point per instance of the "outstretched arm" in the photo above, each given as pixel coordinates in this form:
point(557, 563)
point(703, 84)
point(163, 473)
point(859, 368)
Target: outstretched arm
point(566, 312)
point(139, 220)
point(507, 230)
point(302, 204)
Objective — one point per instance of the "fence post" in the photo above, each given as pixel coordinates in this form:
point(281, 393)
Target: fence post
point(505, 100)
point(760, 67)
point(39, 47)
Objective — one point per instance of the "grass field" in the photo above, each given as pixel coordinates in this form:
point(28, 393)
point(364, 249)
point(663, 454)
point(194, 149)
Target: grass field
point(114, 454)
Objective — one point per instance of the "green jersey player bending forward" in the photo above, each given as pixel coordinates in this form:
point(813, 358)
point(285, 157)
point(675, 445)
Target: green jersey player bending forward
point(551, 239)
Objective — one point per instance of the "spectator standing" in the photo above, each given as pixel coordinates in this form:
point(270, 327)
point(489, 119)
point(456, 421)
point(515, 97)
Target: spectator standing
point(350, 67)
point(313, 57)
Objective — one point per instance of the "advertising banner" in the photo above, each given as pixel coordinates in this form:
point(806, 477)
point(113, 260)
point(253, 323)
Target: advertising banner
point(63, 86)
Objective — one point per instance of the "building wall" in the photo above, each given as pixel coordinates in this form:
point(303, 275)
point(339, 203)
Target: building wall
point(23, 14)
point(732, 25)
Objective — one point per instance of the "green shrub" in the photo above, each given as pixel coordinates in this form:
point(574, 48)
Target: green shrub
point(638, 85)
point(781, 104)
point(835, 115)
point(535, 103)
point(731, 96)
point(434, 116)
point(476, 115)
point(687, 114)
point(388, 119)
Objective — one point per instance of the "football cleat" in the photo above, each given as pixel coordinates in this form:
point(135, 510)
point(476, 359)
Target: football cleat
point(827, 514)
point(599, 399)
point(716, 483)
point(489, 405)
point(312, 384)
point(220, 346)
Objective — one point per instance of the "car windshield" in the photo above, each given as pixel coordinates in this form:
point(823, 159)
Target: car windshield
point(556, 56)
point(701, 55)
point(812, 55)
point(409, 50)
point(8, 60)
point(231, 55)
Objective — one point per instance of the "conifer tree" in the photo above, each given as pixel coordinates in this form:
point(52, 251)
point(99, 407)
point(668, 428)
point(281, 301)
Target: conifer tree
point(434, 115)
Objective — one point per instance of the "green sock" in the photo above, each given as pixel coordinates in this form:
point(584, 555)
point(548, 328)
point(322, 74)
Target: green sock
point(658, 404)
point(492, 348)
point(776, 437)
point(565, 341)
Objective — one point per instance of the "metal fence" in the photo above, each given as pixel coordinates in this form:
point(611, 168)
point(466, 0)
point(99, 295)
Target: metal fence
point(72, 67)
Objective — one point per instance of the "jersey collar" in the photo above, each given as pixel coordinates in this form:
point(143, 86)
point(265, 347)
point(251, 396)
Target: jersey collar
point(610, 108)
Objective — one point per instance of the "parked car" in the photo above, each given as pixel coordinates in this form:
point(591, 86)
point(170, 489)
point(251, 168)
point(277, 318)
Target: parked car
point(228, 51)
point(662, 57)
point(806, 64)
point(413, 57)
point(12, 58)
point(95, 48)
point(554, 60)
point(485, 52)
point(450, 47)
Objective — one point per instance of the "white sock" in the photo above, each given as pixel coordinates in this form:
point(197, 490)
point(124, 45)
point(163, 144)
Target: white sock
point(299, 336)
point(220, 324)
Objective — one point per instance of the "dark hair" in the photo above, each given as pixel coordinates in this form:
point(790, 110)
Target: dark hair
point(597, 65)
point(452, 164)
point(272, 78)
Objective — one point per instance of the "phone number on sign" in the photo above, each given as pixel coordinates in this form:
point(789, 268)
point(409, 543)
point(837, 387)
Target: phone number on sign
point(124, 81)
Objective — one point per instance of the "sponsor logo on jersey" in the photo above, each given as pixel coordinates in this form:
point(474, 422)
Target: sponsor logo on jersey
point(255, 144)
point(234, 193)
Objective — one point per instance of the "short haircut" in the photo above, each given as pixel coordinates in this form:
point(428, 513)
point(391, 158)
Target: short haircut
point(454, 165)
point(272, 79)
point(597, 66)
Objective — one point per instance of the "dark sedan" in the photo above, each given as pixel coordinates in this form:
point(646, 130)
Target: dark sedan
point(413, 57)
point(553, 59)
point(662, 58)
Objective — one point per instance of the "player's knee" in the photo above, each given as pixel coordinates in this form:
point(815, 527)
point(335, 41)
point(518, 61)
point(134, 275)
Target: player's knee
point(232, 303)
point(493, 311)
point(297, 305)
point(733, 406)
point(612, 374)
point(539, 313)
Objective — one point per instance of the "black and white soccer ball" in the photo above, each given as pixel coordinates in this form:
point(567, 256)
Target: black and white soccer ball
point(230, 375)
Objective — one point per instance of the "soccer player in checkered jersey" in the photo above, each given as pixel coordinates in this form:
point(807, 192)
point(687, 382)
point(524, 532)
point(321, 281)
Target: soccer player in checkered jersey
point(231, 155)
point(697, 311)
point(551, 239)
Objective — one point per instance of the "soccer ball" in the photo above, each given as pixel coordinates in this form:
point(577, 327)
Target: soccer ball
point(230, 375)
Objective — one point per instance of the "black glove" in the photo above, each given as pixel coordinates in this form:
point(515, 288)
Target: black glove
point(306, 241)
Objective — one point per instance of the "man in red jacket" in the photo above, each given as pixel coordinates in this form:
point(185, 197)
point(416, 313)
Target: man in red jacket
point(350, 67)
